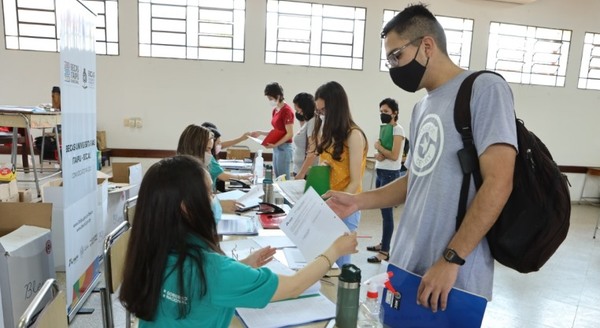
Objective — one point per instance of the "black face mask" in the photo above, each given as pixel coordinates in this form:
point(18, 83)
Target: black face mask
point(385, 118)
point(300, 117)
point(408, 77)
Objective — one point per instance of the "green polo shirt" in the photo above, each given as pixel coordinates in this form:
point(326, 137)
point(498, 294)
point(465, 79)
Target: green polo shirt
point(215, 169)
point(230, 283)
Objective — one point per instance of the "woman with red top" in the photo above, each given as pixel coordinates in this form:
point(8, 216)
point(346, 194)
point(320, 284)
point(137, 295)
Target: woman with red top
point(282, 121)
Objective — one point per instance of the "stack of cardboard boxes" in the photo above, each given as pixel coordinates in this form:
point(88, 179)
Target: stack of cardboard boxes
point(26, 259)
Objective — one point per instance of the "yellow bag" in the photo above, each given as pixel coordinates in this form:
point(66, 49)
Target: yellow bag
point(7, 172)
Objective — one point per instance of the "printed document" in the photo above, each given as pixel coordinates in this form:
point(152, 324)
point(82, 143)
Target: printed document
point(312, 225)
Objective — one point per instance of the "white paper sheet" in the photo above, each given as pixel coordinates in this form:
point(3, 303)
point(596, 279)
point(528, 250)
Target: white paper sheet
point(312, 225)
point(296, 261)
point(274, 241)
point(230, 195)
point(252, 197)
point(257, 140)
point(289, 313)
point(291, 190)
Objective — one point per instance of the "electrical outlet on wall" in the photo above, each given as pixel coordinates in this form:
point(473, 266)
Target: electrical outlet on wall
point(138, 122)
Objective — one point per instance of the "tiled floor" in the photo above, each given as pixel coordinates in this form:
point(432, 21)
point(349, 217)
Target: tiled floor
point(565, 293)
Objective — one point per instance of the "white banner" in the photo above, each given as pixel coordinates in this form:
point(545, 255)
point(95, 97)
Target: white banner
point(78, 96)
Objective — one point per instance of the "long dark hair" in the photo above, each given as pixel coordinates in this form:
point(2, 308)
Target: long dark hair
point(169, 211)
point(338, 120)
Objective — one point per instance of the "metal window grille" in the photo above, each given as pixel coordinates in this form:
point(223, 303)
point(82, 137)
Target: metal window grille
point(192, 29)
point(529, 54)
point(589, 74)
point(32, 25)
point(316, 35)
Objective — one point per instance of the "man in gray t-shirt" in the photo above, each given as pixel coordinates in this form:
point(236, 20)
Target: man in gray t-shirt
point(427, 242)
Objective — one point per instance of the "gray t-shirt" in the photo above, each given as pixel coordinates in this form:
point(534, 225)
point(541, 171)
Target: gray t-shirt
point(300, 144)
point(428, 221)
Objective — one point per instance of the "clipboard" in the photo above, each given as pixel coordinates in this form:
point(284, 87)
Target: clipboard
point(464, 309)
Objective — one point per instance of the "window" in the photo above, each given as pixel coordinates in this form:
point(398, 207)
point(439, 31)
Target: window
point(589, 76)
point(459, 35)
point(192, 29)
point(310, 34)
point(32, 25)
point(107, 25)
point(529, 54)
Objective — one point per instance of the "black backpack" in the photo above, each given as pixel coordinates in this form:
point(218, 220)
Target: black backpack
point(535, 219)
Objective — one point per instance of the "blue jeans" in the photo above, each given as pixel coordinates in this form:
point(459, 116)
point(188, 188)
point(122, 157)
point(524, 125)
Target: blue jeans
point(387, 214)
point(282, 160)
point(351, 222)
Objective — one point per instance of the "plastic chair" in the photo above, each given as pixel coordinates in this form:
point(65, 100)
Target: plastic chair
point(48, 308)
point(129, 209)
point(115, 249)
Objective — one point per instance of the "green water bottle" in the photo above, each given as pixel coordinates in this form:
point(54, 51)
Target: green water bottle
point(346, 311)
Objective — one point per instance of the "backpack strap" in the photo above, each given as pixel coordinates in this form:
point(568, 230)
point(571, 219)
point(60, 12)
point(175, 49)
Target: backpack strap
point(469, 161)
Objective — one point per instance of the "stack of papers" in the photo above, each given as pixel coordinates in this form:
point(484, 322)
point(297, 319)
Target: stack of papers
point(289, 313)
point(237, 225)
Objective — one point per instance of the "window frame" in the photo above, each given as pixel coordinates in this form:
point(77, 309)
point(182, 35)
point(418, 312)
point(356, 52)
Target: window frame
point(193, 21)
point(317, 48)
point(526, 75)
point(17, 37)
point(591, 50)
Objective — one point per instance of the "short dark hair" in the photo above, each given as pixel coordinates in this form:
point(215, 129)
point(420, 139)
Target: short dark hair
point(306, 102)
point(274, 90)
point(391, 103)
point(416, 21)
point(208, 125)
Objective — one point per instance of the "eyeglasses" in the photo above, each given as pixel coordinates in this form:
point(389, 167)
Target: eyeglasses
point(392, 58)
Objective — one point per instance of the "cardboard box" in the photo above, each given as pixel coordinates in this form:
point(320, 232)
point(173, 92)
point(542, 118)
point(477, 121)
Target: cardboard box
point(26, 260)
point(127, 173)
point(52, 192)
point(9, 192)
point(25, 195)
point(101, 139)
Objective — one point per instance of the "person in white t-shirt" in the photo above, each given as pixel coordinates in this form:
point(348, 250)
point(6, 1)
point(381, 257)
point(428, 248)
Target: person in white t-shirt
point(387, 166)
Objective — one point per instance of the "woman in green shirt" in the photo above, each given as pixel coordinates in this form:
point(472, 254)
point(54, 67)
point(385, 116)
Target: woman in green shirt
point(176, 275)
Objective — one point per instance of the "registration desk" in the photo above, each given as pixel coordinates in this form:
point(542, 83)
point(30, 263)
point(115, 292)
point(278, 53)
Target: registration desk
point(328, 283)
point(29, 118)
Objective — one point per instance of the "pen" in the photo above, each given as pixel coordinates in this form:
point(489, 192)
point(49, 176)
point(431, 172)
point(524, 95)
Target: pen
point(363, 236)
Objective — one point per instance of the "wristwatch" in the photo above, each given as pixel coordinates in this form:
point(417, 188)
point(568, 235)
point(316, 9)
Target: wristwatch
point(451, 256)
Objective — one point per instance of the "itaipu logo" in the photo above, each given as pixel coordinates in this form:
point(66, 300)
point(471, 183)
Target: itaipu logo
point(84, 79)
point(428, 146)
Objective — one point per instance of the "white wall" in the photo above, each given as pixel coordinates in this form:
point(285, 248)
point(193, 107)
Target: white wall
point(168, 94)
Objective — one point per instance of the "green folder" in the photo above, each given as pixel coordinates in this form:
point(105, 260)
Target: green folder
point(318, 178)
point(386, 136)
